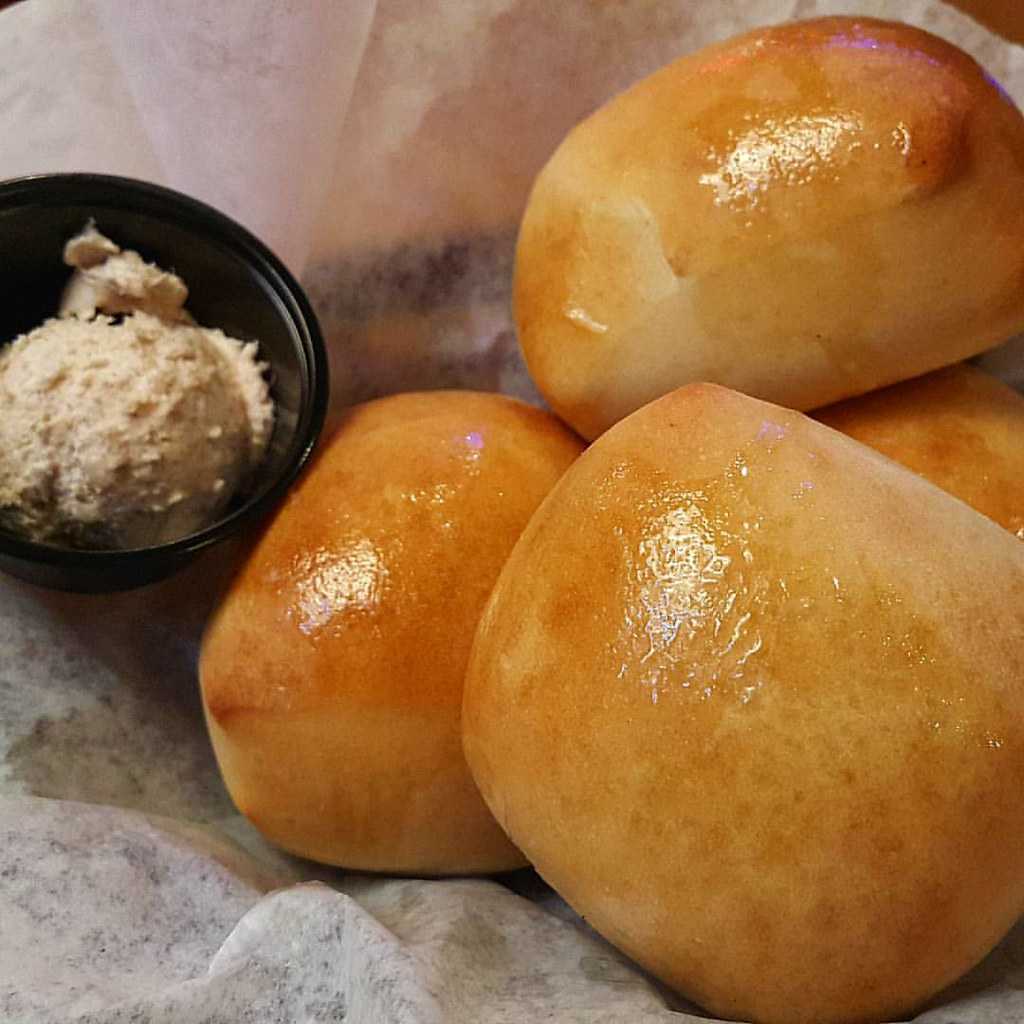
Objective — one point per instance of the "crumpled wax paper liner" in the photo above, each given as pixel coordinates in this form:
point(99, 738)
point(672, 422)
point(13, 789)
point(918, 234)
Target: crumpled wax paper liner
point(115, 916)
point(110, 915)
point(238, 103)
point(144, 909)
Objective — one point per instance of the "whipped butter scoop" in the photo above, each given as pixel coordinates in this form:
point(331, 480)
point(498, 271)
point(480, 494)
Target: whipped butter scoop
point(123, 423)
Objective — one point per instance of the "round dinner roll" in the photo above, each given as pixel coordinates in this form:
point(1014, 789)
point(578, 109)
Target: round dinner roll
point(750, 696)
point(803, 213)
point(959, 427)
point(332, 671)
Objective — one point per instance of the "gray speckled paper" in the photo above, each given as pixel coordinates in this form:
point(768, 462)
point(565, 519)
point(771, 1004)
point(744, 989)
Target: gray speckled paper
point(130, 891)
point(109, 915)
point(112, 915)
point(97, 903)
point(98, 697)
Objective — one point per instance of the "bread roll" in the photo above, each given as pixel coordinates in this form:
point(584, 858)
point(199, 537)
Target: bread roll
point(958, 427)
point(803, 213)
point(332, 671)
point(750, 696)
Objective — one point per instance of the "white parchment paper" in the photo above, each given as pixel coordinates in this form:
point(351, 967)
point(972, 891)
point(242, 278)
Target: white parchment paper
point(239, 103)
point(129, 888)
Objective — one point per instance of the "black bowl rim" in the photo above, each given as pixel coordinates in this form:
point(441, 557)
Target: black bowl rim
point(157, 200)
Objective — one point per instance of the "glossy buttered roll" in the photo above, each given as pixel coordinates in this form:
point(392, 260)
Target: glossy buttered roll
point(958, 427)
point(332, 672)
point(803, 213)
point(750, 696)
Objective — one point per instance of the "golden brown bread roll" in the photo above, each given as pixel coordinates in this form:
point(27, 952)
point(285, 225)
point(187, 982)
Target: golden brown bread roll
point(332, 671)
point(750, 696)
point(958, 427)
point(803, 213)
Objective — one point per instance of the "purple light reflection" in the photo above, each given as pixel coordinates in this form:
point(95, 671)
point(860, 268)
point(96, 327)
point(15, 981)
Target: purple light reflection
point(998, 86)
point(863, 42)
